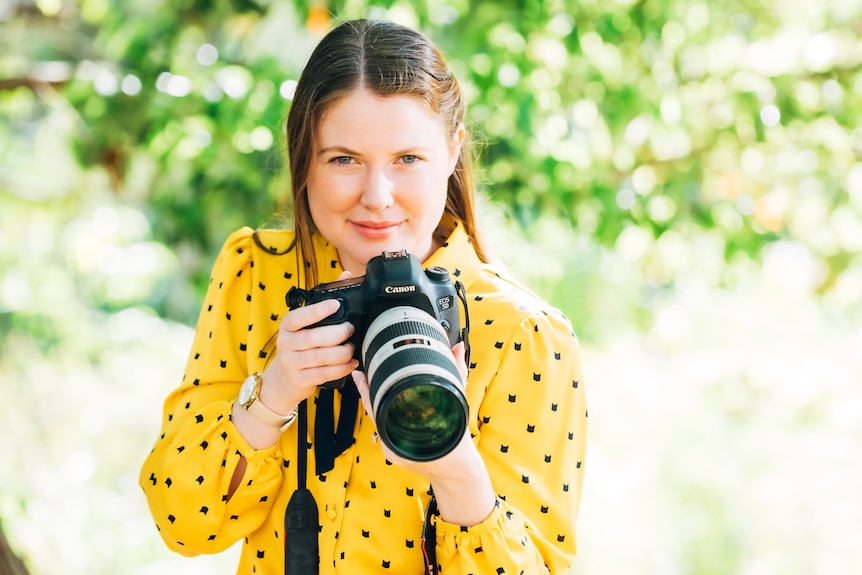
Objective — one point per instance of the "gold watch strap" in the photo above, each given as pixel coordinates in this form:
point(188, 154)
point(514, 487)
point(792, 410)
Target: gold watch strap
point(265, 414)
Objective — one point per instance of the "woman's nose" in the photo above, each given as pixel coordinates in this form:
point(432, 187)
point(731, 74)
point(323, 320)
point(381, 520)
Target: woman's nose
point(377, 193)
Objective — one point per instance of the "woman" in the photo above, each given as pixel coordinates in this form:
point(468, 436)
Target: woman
point(380, 161)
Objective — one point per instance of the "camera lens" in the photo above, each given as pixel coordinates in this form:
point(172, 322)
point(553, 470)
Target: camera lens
point(416, 395)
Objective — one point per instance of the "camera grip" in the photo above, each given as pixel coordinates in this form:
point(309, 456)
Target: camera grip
point(341, 315)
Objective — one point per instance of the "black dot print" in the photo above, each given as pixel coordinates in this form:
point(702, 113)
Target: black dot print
point(523, 353)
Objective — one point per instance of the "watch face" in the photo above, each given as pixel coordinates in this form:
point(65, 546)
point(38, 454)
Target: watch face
point(247, 389)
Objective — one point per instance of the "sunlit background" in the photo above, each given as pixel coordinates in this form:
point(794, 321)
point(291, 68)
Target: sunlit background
point(682, 178)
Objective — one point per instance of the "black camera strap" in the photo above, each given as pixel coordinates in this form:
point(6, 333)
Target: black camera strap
point(301, 520)
point(465, 332)
point(330, 442)
point(429, 537)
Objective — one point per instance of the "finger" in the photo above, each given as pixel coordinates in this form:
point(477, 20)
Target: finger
point(317, 337)
point(461, 360)
point(344, 275)
point(361, 382)
point(299, 359)
point(305, 316)
point(325, 373)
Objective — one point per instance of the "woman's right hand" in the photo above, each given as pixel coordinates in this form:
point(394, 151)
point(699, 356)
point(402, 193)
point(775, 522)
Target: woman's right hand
point(307, 358)
point(304, 359)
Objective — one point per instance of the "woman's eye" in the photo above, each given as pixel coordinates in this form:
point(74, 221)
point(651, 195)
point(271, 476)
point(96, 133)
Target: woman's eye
point(409, 159)
point(342, 160)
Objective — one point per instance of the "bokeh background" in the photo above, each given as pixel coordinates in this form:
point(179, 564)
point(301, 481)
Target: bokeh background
point(683, 178)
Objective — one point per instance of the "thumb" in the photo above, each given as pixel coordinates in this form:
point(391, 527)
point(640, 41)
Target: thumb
point(361, 382)
point(458, 350)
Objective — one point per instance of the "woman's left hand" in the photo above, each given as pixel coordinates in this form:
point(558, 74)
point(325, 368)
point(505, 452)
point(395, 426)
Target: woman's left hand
point(426, 468)
point(459, 478)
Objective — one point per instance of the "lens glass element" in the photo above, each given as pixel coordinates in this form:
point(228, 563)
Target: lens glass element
point(422, 418)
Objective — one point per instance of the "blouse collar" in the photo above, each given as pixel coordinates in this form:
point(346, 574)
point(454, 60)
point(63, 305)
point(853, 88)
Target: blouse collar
point(455, 254)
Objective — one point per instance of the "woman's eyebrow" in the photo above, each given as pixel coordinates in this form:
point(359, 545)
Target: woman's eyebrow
point(336, 149)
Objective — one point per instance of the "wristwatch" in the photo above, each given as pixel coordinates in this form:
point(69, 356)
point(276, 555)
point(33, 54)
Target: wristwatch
point(249, 398)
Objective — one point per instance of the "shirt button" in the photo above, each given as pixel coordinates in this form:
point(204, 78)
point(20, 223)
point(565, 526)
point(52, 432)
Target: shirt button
point(330, 513)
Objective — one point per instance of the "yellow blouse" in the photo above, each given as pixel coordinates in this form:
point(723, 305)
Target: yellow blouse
point(527, 417)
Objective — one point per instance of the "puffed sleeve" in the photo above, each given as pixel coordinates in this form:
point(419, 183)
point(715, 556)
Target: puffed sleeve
point(533, 441)
point(187, 474)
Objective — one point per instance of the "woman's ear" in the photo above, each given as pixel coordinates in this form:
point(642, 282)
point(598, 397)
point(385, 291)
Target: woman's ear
point(455, 145)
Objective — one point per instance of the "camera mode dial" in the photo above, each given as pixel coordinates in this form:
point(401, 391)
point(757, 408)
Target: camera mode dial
point(437, 274)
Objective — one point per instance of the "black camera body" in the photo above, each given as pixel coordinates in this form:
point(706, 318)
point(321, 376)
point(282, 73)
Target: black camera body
point(407, 321)
point(391, 279)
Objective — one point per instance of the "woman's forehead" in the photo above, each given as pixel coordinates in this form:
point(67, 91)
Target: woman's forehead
point(361, 114)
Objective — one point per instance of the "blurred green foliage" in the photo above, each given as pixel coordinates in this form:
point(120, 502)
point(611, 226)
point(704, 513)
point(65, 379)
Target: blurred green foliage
point(640, 160)
point(624, 119)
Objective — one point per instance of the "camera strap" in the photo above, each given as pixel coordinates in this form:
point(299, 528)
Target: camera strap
point(465, 332)
point(301, 519)
point(429, 537)
point(329, 441)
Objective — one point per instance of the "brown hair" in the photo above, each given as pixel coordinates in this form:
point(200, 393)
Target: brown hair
point(387, 59)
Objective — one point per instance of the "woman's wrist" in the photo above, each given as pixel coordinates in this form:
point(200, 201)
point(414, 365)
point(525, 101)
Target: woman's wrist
point(465, 497)
point(465, 506)
point(276, 399)
point(257, 434)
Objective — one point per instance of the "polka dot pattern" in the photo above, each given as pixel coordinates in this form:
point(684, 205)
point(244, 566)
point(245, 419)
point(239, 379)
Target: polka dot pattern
point(528, 420)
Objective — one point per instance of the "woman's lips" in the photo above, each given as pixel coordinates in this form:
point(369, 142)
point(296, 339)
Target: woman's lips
point(376, 230)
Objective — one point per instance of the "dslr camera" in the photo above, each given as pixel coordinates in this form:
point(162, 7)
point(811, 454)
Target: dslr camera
point(406, 321)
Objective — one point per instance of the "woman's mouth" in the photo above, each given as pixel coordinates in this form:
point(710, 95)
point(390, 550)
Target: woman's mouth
point(376, 230)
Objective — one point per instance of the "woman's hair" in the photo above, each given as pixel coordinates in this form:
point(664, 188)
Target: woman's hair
point(386, 59)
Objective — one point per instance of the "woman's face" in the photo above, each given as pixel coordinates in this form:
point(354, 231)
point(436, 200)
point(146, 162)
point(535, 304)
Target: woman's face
point(379, 176)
